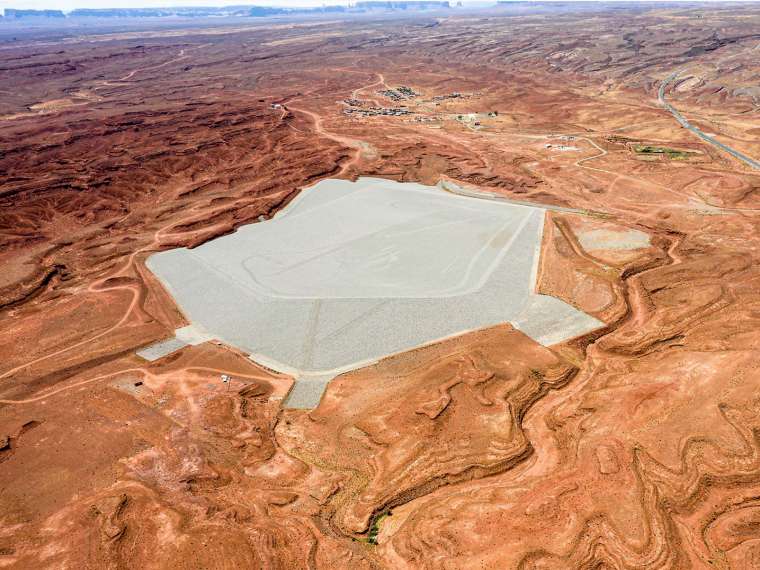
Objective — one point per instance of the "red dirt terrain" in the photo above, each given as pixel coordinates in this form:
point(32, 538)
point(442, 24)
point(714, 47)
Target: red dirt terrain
point(633, 447)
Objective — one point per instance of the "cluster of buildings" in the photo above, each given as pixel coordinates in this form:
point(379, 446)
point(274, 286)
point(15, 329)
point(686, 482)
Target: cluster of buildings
point(356, 107)
point(398, 94)
point(375, 111)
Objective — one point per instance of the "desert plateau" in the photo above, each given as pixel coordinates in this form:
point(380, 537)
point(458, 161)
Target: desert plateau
point(437, 288)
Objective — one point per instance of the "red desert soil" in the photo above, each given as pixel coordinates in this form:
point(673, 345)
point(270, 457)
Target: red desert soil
point(634, 447)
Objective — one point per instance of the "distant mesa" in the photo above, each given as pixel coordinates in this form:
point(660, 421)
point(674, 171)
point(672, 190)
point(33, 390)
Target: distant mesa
point(188, 12)
point(412, 5)
point(164, 12)
point(233, 11)
point(13, 13)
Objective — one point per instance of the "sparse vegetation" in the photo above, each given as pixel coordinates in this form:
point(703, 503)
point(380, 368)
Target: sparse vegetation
point(374, 528)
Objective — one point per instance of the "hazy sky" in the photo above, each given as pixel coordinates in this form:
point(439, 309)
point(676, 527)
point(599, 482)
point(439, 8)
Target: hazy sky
point(71, 4)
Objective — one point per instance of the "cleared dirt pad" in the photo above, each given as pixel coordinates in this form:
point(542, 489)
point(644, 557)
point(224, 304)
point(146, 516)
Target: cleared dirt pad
point(352, 272)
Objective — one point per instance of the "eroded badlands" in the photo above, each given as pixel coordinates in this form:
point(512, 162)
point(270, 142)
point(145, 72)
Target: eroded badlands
point(629, 444)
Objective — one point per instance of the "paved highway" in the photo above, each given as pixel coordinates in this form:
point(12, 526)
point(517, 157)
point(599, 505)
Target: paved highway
point(684, 123)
